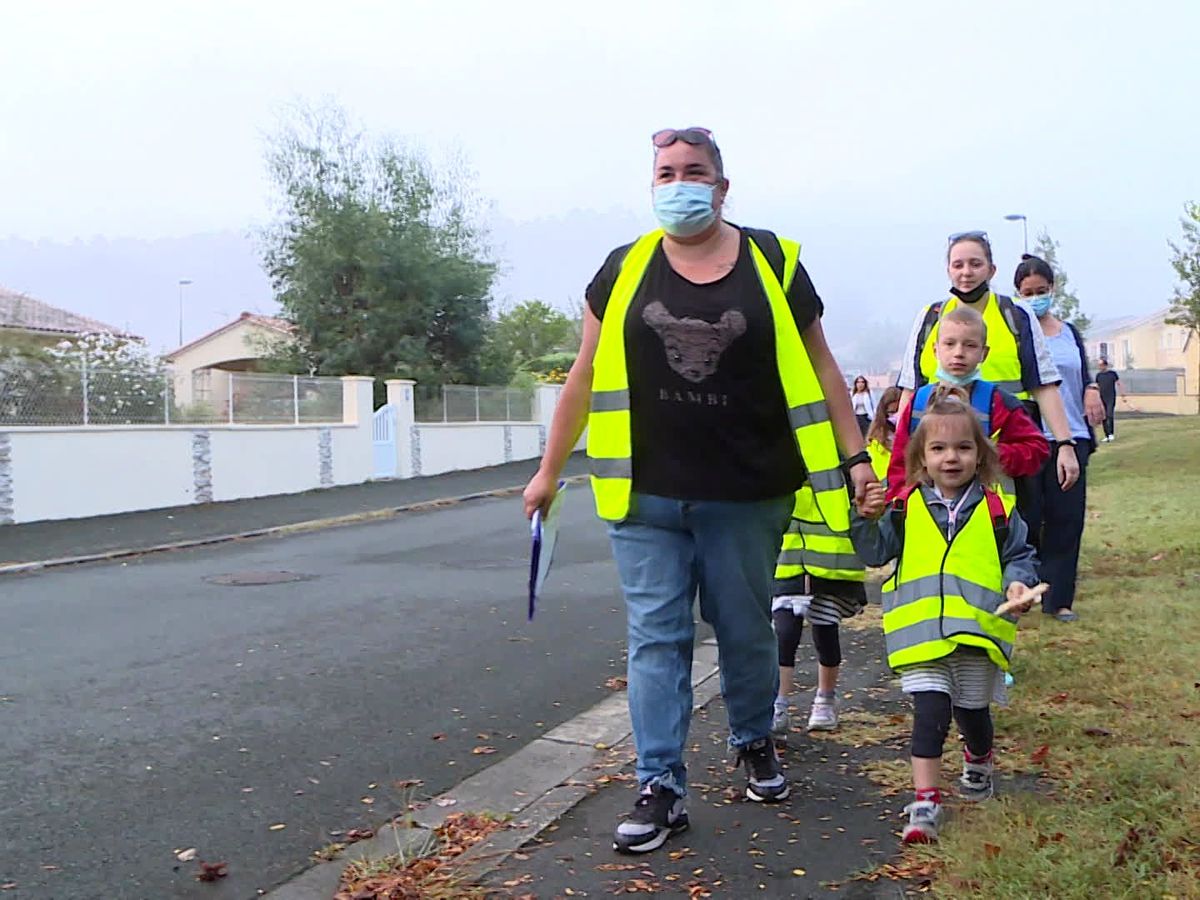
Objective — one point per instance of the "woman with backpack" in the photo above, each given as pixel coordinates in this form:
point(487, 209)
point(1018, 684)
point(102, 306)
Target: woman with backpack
point(1056, 516)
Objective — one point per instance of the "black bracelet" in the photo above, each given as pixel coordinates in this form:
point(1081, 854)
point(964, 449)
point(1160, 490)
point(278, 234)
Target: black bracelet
point(1071, 442)
point(862, 456)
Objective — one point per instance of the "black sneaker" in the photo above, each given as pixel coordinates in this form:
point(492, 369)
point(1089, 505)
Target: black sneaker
point(767, 783)
point(658, 814)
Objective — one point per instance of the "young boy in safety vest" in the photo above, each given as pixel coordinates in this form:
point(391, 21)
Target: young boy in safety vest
point(961, 347)
point(964, 571)
point(819, 578)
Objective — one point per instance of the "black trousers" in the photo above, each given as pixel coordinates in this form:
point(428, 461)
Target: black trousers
point(931, 724)
point(1055, 518)
point(788, 629)
point(1110, 415)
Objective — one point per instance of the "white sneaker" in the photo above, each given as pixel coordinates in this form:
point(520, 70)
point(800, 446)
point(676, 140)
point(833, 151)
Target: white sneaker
point(924, 817)
point(781, 722)
point(824, 714)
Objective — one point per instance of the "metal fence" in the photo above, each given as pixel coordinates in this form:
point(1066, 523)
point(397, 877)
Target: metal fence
point(52, 395)
point(1149, 381)
point(472, 403)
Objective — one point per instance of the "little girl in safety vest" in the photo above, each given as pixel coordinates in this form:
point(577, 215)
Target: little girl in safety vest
point(882, 433)
point(818, 577)
point(964, 572)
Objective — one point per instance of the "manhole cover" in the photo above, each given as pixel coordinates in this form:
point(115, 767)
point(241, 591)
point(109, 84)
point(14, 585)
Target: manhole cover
point(240, 579)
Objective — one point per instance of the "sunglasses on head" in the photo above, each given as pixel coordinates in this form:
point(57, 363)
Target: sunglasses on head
point(693, 136)
point(969, 236)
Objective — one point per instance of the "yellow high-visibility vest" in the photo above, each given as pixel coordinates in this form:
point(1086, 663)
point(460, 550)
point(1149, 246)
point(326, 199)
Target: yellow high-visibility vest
point(1003, 363)
point(881, 458)
point(610, 439)
point(944, 595)
point(811, 547)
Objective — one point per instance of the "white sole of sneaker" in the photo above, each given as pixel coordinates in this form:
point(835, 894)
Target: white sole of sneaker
point(652, 843)
point(774, 798)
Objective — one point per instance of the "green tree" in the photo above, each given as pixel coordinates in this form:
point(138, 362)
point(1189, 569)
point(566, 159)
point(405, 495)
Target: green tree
point(377, 256)
point(1066, 304)
point(531, 330)
point(1185, 259)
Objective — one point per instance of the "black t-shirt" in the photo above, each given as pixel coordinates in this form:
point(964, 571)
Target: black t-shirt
point(1107, 381)
point(709, 418)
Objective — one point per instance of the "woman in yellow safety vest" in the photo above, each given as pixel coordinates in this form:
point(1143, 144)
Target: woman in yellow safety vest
point(1018, 358)
point(709, 395)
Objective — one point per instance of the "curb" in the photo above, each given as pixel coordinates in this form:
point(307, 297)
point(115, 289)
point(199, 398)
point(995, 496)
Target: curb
point(533, 787)
point(373, 515)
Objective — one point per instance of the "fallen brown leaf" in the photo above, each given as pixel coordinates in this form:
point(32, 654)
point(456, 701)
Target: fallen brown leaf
point(991, 850)
point(483, 751)
point(440, 736)
point(1039, 755)
point(1095, 731)
point(212, 871)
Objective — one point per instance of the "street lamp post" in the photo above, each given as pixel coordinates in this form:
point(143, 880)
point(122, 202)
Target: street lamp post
point(183, 282)
point(1013, 217)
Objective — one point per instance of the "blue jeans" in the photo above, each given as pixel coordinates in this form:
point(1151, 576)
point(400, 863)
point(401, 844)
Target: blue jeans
point(667, 551)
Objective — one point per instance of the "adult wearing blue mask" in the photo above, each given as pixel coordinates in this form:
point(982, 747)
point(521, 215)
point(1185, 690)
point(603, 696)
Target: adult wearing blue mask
point(1018, 358)
point(710, 397)
point(1056, 517)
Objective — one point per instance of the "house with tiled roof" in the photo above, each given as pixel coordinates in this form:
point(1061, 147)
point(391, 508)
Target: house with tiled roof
point(24, 319)
point(201, 367)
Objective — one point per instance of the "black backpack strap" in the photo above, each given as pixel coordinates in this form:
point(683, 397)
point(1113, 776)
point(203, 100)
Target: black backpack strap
point(933, 312)
point(768, 243)
point(1008, 310)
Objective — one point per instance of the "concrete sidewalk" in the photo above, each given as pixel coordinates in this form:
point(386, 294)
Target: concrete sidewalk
point(71, 538)
point(837, 823)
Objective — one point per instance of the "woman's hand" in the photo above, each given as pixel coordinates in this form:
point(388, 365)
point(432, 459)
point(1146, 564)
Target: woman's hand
point(1093, 406)
point(540, 492)
point(862, 476)
point(1068, 466)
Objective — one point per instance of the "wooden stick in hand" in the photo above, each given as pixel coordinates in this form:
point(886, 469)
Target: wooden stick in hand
point(1022, 604)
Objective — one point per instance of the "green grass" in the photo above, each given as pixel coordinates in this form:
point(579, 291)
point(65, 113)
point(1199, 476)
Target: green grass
point(1115, 699)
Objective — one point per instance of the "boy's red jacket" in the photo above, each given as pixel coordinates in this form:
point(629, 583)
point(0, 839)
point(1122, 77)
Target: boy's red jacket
point(1022, 446)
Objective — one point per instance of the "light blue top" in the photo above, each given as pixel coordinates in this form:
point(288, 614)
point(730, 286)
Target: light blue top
point(1065, 352)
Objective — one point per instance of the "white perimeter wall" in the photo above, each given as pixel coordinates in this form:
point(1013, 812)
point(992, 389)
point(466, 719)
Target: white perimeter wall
point(74, 472)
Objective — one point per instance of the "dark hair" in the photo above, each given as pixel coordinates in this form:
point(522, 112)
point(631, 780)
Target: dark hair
point(863, 379)
point(1032, 265)
point(880, 426)
point(977, 237)
point(947, 401)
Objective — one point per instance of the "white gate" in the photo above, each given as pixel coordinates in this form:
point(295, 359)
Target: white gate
point(383, 434)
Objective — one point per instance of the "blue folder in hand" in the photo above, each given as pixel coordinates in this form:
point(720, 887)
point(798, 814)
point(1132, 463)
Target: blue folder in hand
point(545, 535)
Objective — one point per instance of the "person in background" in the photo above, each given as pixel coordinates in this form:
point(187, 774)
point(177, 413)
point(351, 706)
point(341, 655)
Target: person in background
point(863, 403)
point(1109, 384)
point(882, 433)
point(1056, 517)
point(818, 577)
point(710, 396)
point(1018, 359)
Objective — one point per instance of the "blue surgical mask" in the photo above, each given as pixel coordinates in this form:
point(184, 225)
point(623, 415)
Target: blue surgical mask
point(957, 380)
point(684, 208)
point(1040, 304)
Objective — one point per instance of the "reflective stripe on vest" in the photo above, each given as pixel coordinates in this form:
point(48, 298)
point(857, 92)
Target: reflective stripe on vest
point(1003, 363)
point(810, 547)
point(944, 597)
point(609, 442)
